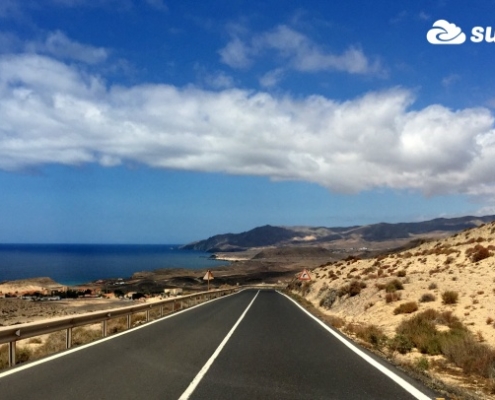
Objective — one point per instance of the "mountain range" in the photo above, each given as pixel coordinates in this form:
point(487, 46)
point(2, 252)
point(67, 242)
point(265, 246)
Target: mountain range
point(376, 236)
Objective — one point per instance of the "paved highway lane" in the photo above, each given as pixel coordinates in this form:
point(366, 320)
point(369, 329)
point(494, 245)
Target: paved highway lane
point(157, 361)
point(274, 351)
point(279, 352)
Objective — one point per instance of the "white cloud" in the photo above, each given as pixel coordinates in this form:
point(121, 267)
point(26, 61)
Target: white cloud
point(51, 113)
point(272, 78)
point(300, 52)
point(219, 80)
point(235, 54)
point(59, 45)
point(450, 79)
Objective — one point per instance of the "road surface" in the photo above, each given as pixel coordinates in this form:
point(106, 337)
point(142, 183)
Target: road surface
point(251, 345)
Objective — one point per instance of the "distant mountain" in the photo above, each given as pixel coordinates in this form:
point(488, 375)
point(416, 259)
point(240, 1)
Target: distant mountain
point(366, 235)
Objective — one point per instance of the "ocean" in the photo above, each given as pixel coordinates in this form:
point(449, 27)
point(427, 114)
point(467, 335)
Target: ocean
point(71, 264)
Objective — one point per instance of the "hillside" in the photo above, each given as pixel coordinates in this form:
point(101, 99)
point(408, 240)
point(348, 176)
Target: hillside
point(375, 236)
point(445, 287)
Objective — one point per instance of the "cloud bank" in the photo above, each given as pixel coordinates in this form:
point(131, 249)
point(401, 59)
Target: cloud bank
point(51, 112)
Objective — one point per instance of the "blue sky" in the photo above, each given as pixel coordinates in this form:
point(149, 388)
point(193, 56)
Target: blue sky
point(152, 121)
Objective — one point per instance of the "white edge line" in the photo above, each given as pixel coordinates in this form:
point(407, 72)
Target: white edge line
point(396, 378)
point(197, 379)
point(84, 346)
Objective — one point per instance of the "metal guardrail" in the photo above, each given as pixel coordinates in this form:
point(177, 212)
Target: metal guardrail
point(12, 334)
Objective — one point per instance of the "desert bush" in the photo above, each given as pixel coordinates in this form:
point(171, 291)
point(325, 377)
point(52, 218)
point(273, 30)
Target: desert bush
point(406, 308)
point(401, 274)
point(329, 298)
point(432, 286)
point(334, 321)
point(471, 356)
point(391, 297)
point(305, 288)
point(323, 289)
point(450, 297)
point(422, 364)
point(22, 354)
point(421, 331)
point(426, 297)
point(393, 286)
point(116, 325)
point(401, 343)
point(353, 289)
point(56, 341)
point(477, 253)
point(371, 334)
point(449, 260)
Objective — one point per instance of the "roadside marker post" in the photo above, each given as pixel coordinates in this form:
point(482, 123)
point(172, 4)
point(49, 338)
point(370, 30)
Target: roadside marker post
point(208, 276)
point(304, 276)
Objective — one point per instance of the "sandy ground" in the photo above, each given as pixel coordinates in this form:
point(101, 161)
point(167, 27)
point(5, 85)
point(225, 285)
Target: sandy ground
point(18, 311)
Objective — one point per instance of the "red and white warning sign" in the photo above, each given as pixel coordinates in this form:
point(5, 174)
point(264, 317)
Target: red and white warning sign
point(208, 276)
point(304, 276)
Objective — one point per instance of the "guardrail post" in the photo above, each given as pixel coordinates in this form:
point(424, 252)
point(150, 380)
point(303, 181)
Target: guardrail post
point(128, 321)
point(104, 328)
point(68, 338)
point(161, 311)
point(147, 315)
point(12, 354)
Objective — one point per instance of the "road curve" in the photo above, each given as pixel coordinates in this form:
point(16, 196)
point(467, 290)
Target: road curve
point(271, 350)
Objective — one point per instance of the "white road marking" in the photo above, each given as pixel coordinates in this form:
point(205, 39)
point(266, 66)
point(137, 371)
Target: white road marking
point(396, 378)
point(197, 379)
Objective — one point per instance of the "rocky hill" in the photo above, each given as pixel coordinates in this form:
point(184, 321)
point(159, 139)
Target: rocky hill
point(431, 307)
point(376, 236)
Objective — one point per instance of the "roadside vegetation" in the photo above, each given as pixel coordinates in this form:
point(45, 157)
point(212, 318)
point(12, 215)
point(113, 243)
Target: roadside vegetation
point(428, 308)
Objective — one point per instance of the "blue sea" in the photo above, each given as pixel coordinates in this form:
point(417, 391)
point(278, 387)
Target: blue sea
point(71, 264)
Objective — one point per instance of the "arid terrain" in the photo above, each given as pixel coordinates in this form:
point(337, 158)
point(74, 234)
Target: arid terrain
point(255, 266)
point(430, 307)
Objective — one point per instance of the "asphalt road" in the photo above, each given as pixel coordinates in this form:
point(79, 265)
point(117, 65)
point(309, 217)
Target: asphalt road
point(271, 350)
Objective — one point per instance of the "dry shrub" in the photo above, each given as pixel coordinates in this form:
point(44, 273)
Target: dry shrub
point(116, 325)
point(393, 286)
point(406, 308)
point(329, 298)
point(391, 297)
point(22, 354)
point(401, 274)
point(353, 289)
point(450, 297)
point(371, 334)
point(432, 286)
point(56, 341)
point(473, 357)
point(427, 297)
point(477, 253)
point(401, 343)
point(421, 330)
point(334, 321)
